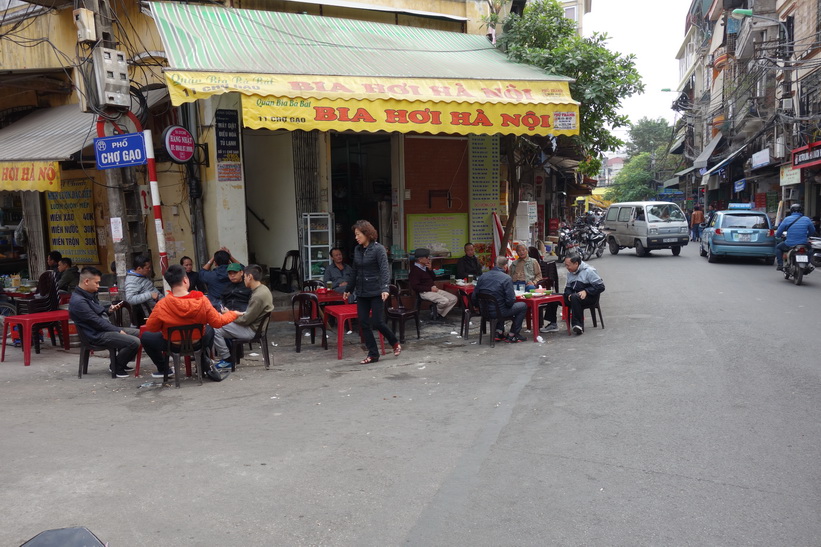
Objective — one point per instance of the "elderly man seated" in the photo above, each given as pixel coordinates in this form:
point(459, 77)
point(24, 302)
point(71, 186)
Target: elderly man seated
point(584, 285)
point(498, 284)
point(525, 271)
point(421, 279)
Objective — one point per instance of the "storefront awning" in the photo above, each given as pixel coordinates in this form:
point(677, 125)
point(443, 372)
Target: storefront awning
point(388, 9)
point(684, 171)
point(724, 162)
point(670, 182)
point(31, 148)
point(703, 158)
point(297, 71)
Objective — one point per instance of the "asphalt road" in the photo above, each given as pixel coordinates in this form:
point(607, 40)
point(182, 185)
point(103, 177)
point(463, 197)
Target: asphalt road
point(692, 419)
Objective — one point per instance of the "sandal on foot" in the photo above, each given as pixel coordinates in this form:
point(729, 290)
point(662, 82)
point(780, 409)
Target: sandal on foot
point(397, 349)
point(368, 359)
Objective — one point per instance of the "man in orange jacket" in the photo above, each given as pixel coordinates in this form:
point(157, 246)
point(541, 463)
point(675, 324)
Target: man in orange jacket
point(183, 307)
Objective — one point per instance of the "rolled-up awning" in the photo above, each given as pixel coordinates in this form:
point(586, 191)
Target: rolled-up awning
point(724, 162)
point(297, 71)
point(31, 148)
point(703, 158)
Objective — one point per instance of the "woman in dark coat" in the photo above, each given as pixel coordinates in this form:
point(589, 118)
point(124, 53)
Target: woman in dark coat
point(370, 278)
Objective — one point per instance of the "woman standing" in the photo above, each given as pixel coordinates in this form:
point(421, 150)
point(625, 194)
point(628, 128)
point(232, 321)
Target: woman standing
point(369, 279)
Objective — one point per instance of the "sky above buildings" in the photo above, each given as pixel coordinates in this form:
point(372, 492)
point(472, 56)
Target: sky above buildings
point(653, 31)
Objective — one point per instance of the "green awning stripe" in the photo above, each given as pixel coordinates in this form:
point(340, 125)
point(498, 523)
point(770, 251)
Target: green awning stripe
point(220, 39)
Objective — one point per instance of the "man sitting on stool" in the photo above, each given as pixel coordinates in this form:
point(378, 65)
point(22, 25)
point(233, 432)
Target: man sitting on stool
point(421, 279)
point(181, 307)
point(91, 318)
point(498, 284)
point(582, 290)
point(246, 325)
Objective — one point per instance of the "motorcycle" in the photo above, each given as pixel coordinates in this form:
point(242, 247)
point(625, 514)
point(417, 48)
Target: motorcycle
point(798, 263)
point(815, 258)
point(565, 243)
point(599, 241)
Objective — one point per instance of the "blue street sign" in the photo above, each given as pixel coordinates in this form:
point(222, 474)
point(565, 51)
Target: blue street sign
point(120, 151)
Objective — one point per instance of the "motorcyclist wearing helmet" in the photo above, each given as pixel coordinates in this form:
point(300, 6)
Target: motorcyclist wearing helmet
point(798, 228)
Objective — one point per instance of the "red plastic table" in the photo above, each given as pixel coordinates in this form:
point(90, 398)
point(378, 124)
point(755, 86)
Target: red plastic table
point(28, 322)
point(534, 303)
point(343, 313)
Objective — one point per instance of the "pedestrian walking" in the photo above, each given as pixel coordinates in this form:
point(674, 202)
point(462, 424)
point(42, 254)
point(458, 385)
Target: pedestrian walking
point(369, 278)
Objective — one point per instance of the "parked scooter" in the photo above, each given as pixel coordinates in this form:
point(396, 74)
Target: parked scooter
point(798, 263)
point(565, 243)
point(815, 259)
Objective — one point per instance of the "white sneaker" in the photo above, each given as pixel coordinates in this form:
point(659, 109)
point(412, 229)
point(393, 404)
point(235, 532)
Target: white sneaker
point(162, 375)
point(577, 329)
point(550, 327)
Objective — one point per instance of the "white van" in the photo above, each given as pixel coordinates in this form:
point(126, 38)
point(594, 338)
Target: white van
point(647, 226)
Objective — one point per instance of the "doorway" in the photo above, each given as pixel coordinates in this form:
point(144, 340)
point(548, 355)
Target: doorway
point(361, 185)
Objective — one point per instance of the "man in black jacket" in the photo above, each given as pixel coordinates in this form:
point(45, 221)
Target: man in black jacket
point(498, 284)
point(91, 318)
point(468, 264)
point(235, 295)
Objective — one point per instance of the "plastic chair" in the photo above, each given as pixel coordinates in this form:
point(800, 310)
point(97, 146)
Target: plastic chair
point(260, 336)
point(468, 312)
point(488, 302)
point(86, 347)
point(399, 313)
point(117, 317)
point(305, 307)
point(289, 271)
point(311, 285)
point(184, 345)
point(593, 309)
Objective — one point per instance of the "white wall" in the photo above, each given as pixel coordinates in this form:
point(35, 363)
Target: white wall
point(223, 202)
point(269, 175)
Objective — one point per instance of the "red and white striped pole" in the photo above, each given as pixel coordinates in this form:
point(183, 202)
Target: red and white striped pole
point(155, 201)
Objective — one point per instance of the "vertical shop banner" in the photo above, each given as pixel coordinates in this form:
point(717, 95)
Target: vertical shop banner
point(483, 169)
point(229, 163)
point(71, 228)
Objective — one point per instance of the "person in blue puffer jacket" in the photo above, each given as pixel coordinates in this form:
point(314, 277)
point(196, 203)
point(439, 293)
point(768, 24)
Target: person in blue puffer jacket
point(581, 291)
point(799, 228)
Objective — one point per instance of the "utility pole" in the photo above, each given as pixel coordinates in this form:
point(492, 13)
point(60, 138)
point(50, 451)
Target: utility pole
point(121, 183)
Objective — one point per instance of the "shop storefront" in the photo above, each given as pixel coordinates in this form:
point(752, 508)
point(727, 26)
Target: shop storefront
point(398, 125)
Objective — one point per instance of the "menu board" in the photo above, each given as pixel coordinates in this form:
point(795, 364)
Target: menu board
point(226, 128)
point(440, 233)
point(483, 192)
point(71, 228)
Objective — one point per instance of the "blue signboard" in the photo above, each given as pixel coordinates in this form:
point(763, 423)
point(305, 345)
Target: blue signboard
point(120, 151)
point(740, 185)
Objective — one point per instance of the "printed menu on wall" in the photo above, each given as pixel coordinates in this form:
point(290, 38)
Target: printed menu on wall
point(483, 168)
point(444, 235)
point(71, 228)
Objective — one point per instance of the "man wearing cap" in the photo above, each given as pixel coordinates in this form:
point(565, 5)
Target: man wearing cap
point(235, 296)
point(421, 279)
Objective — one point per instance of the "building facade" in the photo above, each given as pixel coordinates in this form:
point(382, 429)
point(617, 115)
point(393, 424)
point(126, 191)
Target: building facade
point(748, 99)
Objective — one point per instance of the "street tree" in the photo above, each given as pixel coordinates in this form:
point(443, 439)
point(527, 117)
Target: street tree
point(647, 135)
point(635, 182)
point(542, 36)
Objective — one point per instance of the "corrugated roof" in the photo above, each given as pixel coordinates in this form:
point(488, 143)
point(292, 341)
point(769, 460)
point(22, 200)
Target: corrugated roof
point(50, 134)
point(388, 9)
point(220, 39)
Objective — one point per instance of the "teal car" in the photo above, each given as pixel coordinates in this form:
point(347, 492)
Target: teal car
point(734, 232)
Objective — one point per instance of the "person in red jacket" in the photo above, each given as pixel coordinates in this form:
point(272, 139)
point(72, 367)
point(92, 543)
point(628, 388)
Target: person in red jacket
point(183, 307)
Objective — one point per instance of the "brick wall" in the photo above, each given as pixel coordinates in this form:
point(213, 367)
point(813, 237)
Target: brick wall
point(436, 164)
